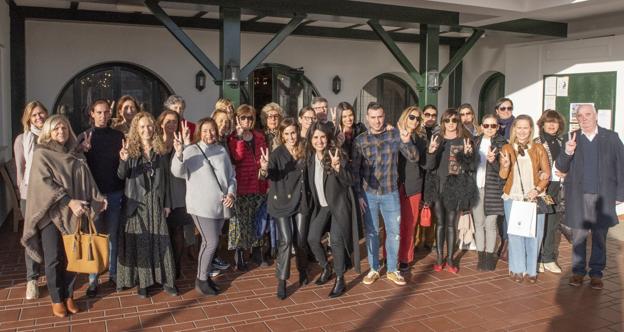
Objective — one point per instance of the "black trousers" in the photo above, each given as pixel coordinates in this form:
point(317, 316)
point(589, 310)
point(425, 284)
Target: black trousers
point(60, 281)
point(446, 227)
point(551, 241)
point(292, 230)
point(338, 241)
point(177, 219)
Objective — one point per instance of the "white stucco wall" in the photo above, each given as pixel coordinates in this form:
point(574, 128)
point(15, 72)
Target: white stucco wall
point(5, 83)
point(56, 51)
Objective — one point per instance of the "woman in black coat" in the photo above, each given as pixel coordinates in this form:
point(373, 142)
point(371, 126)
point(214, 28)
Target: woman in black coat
point(286, 203)
point(330, 185)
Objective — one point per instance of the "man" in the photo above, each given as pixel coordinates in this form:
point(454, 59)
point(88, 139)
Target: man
point(375, 172)
point(430, 116)
point(101, 145)
point(594, 184)
point(319, 104)
point(504, 109)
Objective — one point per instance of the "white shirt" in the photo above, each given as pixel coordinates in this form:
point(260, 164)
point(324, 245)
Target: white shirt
point(484, 148)
point(318, 182)
point(590, 136)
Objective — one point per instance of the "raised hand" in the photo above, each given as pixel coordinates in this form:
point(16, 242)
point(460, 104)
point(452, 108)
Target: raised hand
point(332, 114)
point(239, 131)
point(264, 158)
point(504, 159)
point(186, 133)
point(467, 146)
point(123, 153)
point(491, 155)
point(177, 143)
point(570, 146)
point(86, 142)
point(335, 159)
point(404, 132)
point(434, 144)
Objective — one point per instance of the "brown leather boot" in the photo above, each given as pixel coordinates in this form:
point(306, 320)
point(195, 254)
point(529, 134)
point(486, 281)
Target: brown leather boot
point(71, 306)
point(58, 310)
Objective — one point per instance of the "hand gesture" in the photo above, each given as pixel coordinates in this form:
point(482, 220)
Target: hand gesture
point(86, 142)
point(404, 133)
point(78, 207)
point(332, 114)
point(504, 159)
point(228, 200)
point(570, 146)
point(123, 153)
point(467, 146)
point(104, 206)
point(239, 131)
point(434, 144)
point(264, 158)
point(335, 159)
point(177, 144)
point(532, 194)
point(491, 155)
point(186, 133)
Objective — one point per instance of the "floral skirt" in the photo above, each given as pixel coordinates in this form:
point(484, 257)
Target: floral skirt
point(242, 229)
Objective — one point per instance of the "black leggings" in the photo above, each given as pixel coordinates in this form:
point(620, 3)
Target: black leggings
point(286, 226)
point(338, 240)
point(447, 225)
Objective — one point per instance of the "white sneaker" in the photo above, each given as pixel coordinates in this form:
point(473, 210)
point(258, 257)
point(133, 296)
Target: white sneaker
point(397, 278)
point(540, 268)
point(32, 290)
point(552, 267)
point(371, 277)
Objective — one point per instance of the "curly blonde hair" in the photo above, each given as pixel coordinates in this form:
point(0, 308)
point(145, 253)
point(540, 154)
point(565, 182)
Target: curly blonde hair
point(135, 145)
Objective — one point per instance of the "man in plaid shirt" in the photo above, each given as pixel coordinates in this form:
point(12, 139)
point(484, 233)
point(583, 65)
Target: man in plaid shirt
point(375, 171)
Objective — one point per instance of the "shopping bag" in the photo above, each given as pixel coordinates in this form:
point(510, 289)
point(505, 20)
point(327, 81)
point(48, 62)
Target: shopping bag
point(86, 252)
point(425, 216)
point(522, 219)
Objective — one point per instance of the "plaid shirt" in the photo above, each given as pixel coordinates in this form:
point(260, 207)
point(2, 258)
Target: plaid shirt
point(375, 161)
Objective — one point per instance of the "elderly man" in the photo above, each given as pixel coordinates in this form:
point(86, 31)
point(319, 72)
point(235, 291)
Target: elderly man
point(593, 186)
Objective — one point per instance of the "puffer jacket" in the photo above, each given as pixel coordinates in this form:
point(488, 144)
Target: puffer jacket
point(246, 160)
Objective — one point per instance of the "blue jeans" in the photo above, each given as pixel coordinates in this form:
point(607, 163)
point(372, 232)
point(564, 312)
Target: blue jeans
point(523, 251)
point(108, 222)
point(390, 208)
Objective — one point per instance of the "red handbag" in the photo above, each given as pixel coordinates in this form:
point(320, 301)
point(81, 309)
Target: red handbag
point(425, 216)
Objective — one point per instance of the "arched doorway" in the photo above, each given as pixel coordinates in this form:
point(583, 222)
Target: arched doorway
point(272, 82)
point(110, 81)
point(389, 90)
point(493, 88)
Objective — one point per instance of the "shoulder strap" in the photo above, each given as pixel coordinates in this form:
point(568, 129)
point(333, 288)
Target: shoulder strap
point(212, 171)
point(518, 168)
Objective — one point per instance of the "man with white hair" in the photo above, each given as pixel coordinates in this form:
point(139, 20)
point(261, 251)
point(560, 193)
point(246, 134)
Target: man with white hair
point(594, 184)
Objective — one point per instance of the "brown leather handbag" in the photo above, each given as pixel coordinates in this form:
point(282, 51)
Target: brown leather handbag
point(86, 252)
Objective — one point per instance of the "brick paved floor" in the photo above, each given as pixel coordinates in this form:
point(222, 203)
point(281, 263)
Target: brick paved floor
point(470, 301)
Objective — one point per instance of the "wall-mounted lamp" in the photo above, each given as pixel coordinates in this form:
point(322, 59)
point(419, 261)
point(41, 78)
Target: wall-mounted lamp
point(433, 80)
point(336, 84)
point(200, 80)
point(232, 74)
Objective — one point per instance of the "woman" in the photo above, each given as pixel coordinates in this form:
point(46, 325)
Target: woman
point(347, 127)
point(332, 198)
point(452, 190)
point(551, 125)
point(127, 108)
point(202, 165)
point(167, 126)
point(307, 117)
point(271, 116)
point(411, 177)
point(287, 203)
point(60, 191)
point(226, 105)
point(145, 253)
point(522, 162)
point(245, 146)
point(490, 204)
point(468, 119)
point(33, 119)
point(224, 125)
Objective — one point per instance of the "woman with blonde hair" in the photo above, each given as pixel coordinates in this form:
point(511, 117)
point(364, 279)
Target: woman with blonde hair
point(224, 126)
point(127, 108)
point(145, 253)
point(60, 192)
point(525, 166)
point(271, 116)
point(33, 118)
point(226, 105)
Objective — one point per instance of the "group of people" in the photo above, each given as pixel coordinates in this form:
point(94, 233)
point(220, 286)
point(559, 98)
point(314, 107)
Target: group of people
point(276, 187)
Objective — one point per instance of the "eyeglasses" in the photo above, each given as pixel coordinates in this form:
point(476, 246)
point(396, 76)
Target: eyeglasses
point(273, 116)
point(430, 115)
point(453, 120)
point(465, 114)
point(309, 118)
point(413, 117)
point(245, 117)
point(510, 108)
point(320, 107)
point(488, 126)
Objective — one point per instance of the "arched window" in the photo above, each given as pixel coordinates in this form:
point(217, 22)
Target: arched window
point(389, 90)
point(493, 88)
point(110, 81)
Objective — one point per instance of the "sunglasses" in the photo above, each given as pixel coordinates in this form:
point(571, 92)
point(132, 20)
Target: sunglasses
point(413, 117)
point(510, 108)
point(245, 117)
point(488, 126)
point(465, 113)
point(453, 120)
point(430, 115)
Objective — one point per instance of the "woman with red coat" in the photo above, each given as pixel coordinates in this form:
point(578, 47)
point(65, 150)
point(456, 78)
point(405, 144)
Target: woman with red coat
point(246, 146)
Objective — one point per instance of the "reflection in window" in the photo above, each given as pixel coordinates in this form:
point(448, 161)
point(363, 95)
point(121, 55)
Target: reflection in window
point(390, 91)
point(491, 91)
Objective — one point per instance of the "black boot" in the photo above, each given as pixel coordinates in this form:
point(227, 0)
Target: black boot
point(325, 275)
point(213, 285)
point(239, 257)
point(303, 278)
point(281, 289)
point(203, 287)
point(264, 262)
point(339, 287)
point(490, 261)
point(481, 261)
point(256, 255)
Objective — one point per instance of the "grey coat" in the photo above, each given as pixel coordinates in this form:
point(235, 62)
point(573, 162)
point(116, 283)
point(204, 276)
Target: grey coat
point(611, 178)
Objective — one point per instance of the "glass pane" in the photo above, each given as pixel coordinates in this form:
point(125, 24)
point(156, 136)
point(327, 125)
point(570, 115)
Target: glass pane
point(394, 100)
point(139, 86)
point(367, 95)
point(289, 93)
point(92, 86)
point(492, 91)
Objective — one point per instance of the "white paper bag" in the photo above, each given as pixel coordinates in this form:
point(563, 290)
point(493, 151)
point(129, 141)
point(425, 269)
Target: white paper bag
point(522, 219)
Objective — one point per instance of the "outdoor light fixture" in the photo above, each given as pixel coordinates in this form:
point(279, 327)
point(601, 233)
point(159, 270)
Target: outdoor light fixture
point(200, 80)
point(433, 80)
point(232, 74)
point(336, 84)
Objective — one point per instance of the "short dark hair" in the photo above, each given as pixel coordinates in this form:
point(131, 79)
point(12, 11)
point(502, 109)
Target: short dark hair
point(500, 101)
point(430, 106)
point(373, 105)
point(551, 116)
point(318, 99)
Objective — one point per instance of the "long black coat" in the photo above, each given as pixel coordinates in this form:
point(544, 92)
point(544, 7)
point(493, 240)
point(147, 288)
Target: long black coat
point(492, 201)
point(342, 204)
point(610, 177)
